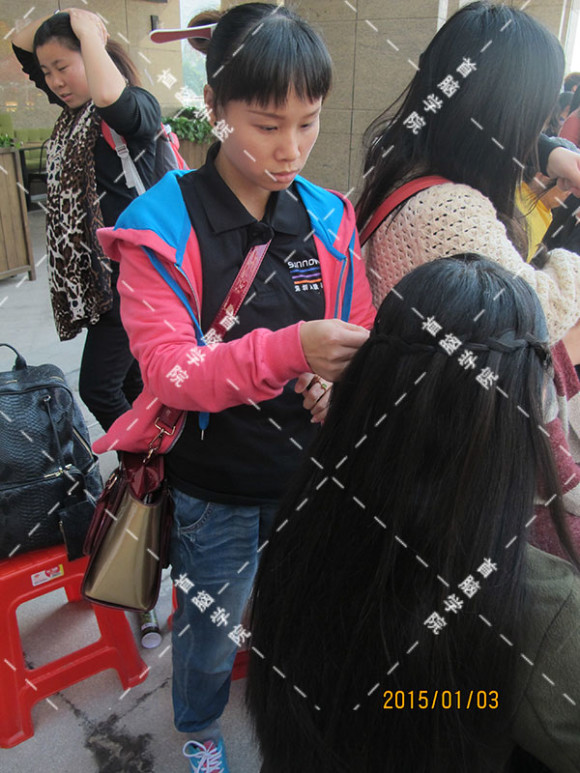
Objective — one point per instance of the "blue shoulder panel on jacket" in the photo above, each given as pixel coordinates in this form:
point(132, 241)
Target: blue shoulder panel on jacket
point(326, 212)
point(161, 209)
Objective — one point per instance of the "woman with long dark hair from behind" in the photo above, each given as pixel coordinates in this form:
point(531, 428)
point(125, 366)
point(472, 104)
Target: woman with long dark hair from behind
point(491, 110)
point(472, 115)
point(398, 570)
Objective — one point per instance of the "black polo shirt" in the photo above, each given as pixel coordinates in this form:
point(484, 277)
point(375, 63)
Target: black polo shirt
point(248, 454)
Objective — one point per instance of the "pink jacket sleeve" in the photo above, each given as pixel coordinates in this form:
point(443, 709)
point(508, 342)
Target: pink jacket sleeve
point(178, 372)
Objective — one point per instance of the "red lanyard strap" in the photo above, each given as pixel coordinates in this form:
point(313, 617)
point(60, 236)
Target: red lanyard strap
point(394, 199)
point(225, 317)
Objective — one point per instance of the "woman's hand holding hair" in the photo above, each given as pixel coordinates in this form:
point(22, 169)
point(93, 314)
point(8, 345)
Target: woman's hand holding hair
point(106, 84)
point(316, 393)
point(330, 344)
point(564, 164)
point(87, 24)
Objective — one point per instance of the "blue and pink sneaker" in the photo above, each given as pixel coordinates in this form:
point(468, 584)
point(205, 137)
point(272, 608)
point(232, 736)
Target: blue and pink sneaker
point(206, 757)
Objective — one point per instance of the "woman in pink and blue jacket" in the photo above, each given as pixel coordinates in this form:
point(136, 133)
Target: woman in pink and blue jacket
point(251, 399)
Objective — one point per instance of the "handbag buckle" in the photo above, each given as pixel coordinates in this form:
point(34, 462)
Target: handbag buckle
point(155, 444)
point(163, 430)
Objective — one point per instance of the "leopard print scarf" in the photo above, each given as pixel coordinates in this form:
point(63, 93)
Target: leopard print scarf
point(79, 273)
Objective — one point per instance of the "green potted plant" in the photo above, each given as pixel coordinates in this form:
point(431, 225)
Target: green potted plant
point(194, 135)
point(6, 141)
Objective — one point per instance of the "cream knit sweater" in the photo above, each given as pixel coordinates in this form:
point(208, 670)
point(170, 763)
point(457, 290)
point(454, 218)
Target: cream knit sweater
point(452, 218)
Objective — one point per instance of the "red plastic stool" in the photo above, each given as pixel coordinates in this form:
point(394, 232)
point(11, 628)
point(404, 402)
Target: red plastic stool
point(240, 668)
point(23, 578)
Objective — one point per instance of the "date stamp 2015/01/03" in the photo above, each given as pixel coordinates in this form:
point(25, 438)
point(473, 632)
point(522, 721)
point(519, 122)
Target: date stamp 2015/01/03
point(441, 699)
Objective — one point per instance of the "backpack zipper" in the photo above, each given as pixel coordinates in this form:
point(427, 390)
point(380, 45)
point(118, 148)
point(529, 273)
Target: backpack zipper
point(83, 442)
point(46, 476)
point(46, 385)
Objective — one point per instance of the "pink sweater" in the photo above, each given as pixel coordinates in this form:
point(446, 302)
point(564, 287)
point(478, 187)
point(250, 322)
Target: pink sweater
point(452, 218)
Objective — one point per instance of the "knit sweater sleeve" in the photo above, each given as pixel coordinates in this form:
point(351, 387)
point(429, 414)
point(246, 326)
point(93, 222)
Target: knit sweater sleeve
point(448, 219)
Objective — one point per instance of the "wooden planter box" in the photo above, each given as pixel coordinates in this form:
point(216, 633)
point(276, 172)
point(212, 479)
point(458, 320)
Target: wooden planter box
point(193, 153)
point(15, 248)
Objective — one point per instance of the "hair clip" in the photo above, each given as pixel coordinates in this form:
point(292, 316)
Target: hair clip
point(203, 31)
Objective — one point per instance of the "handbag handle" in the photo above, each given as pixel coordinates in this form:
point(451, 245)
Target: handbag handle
point(20, 363)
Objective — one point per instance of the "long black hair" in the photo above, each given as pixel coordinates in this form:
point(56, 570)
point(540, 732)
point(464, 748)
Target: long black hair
point(259, 51)
point(495, 115)
point(423, 474)
point(58, 27)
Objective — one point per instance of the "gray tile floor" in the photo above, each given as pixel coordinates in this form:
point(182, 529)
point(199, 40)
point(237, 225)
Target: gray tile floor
point(92, 726)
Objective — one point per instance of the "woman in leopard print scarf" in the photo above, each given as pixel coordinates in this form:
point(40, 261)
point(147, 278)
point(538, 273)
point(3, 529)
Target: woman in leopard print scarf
point(79, 274)
point(70, 57)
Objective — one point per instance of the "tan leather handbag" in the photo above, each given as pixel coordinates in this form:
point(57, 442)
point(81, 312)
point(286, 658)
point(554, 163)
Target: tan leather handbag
point(128, 539)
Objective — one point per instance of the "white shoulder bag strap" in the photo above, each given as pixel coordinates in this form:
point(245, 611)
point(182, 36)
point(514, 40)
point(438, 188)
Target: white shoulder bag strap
point(132, 177)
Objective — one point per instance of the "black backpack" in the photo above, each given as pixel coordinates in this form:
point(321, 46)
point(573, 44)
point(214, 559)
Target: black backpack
point(49, 477)
point(167, 155)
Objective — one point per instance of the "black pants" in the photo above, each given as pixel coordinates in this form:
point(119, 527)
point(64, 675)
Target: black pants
point(109, 379)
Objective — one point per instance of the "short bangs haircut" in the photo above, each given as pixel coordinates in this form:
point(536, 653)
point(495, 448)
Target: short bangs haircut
point(259, 52)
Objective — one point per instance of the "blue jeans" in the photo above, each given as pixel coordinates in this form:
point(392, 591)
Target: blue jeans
point(215, 547)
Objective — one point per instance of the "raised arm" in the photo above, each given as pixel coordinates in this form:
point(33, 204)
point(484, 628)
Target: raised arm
point(106, 84)
point(563, 164)
point(25, 37)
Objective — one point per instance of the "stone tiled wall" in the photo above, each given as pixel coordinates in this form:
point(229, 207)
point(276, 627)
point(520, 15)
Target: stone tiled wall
point(375, 45)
